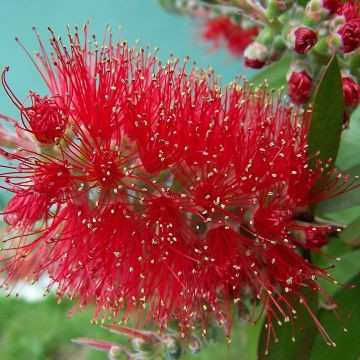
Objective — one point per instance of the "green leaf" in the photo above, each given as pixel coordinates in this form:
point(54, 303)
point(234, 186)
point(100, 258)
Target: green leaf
point(327, 114)
point(351, 235)
point(347, 343)
point(342, 271)
point(275, 74)
point(286, 348)
point(302, 2)
point(344, 201)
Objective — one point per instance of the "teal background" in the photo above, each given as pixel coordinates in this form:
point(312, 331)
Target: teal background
point(139, 19)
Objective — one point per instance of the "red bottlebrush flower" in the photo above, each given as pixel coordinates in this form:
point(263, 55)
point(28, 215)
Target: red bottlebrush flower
point(350, 35)
point(168, 195)
point(351, 91)
point(350, 9)
point(300, 87)
point(223, 29)
point(305, 39)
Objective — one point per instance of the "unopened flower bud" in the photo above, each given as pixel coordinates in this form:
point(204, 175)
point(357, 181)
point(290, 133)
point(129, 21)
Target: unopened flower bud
point(278, 7)
point(193, 344)
point(316, 10)
point(303, 39)
point(334, 42)
point(142, 345)
point(256, 55)
point(172, 345)
point(117, 353)
point(300, 87)
point(350, 35)
point(351, 91)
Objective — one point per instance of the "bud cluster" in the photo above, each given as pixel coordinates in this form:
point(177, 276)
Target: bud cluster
point(148, 345)
point(309, 34)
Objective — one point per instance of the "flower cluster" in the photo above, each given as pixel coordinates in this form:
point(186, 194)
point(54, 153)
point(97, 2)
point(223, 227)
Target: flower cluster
point(309, 34)
point(154, 191)
point(224, 29)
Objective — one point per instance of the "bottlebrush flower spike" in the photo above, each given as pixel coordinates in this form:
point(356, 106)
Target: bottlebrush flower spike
point(223, 29)
point(167, 195)
point(350, 9)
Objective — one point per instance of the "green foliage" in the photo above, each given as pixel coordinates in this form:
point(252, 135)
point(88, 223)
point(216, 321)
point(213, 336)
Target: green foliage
point(302, 2)
point(349, 151)
point(346, 200)
point(347, 343)
point(275, 74)
point(351, 235)
point(327, 114)
point(294, 345)
point(41, 331)
point(342, 270)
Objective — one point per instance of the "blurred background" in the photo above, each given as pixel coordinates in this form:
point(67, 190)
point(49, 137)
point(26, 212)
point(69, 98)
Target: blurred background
point(37, 328)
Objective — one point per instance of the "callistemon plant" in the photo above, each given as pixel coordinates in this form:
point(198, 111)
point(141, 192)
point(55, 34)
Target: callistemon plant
point(157, 193)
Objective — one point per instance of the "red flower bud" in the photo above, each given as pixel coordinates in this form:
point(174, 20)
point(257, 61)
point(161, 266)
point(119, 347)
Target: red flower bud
point(305, 39)
point(254, 63)
point(256, 55)
point(300, 87)
point(351, 91)
point(350, 34)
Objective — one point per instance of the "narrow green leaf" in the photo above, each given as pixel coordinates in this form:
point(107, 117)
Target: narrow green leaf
point(327, 114)
point(286, 348)
point(275, 74)
point(351, 235)
point(349, 151)
point(302, 2)
point(347, 343)
point(344, 201)
point(342, 271)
